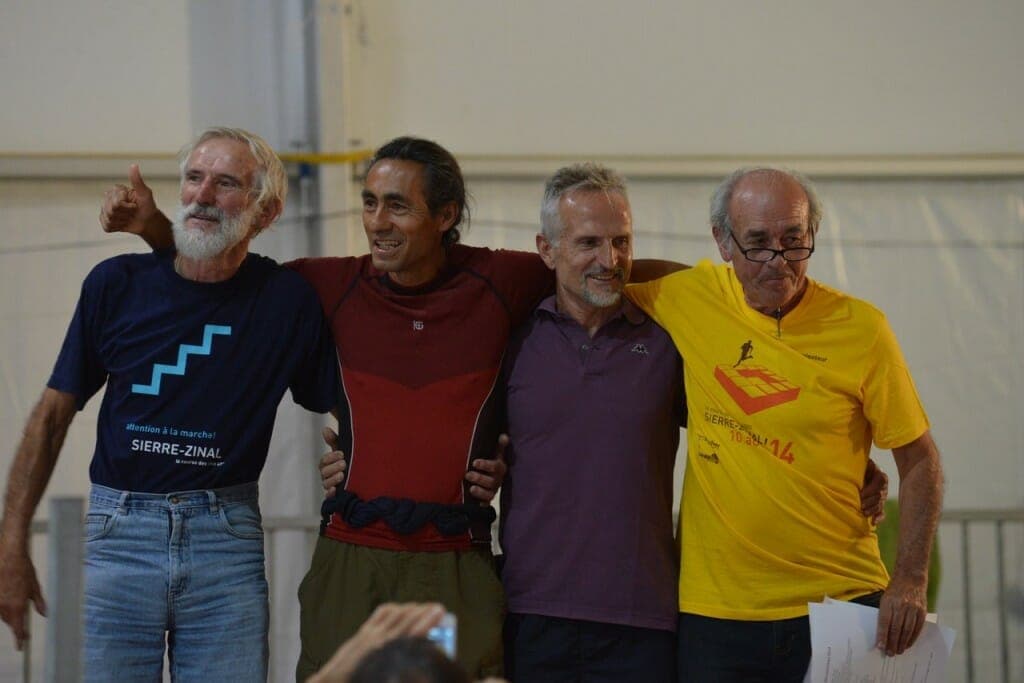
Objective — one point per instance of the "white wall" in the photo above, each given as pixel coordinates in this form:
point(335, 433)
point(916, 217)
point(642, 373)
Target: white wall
point(792, 77)
point(534, 77)
point(95, 75)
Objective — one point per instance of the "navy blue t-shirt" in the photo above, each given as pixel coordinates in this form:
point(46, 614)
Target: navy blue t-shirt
point(194, 371)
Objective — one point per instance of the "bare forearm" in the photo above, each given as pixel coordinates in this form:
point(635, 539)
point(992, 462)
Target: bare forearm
point(34, 462)
point(920, 498)
point(157, 231)
point(904, 605)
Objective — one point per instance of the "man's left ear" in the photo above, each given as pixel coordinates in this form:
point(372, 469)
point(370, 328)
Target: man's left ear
point(724, 248)
point(447, 215)
point(546, 251)
point(272, 208)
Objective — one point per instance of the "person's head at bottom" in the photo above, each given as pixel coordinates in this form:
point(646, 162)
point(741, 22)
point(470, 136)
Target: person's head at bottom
point(408, 660)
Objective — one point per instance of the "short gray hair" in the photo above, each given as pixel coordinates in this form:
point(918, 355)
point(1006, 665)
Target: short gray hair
point(270, 182)
point(589, 177)
point(721, 222)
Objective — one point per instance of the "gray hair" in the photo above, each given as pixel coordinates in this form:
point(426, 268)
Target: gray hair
point(589, 177)
point(270, 183)
point(721, 223)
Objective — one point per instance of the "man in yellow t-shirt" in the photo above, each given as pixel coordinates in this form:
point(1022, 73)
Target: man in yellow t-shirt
point(788, 382)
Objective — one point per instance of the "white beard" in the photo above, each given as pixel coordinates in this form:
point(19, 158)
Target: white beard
point(202, 245)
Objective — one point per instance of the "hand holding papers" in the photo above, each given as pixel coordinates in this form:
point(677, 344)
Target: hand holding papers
point(843, 648)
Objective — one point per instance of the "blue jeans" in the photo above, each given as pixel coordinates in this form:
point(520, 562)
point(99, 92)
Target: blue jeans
point(185, 569)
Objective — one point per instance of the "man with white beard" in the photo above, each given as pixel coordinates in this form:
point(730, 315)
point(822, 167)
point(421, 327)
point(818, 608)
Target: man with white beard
point(196, 345)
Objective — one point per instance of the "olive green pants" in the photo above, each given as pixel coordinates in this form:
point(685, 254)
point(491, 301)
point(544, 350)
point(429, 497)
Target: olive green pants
point(346, 582)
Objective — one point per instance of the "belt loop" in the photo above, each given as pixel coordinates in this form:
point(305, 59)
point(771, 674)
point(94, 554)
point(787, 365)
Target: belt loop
point(212, 495)
point(122, 504)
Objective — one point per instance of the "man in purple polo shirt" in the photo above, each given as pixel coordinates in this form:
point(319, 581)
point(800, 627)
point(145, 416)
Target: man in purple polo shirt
point(594, 409)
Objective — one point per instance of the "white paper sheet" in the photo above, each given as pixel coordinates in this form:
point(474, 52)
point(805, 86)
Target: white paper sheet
point(843, 648)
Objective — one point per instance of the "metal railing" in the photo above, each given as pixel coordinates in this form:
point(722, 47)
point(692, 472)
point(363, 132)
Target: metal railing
point(64, 589)
point(999, 520)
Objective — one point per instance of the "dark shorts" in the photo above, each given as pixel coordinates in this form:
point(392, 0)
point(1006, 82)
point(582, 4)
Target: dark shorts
point(541, 649)
point(731, 651)
point(346, 582)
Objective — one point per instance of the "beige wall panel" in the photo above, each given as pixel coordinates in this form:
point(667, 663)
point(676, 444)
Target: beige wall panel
point(798, 77)
point(101, 75)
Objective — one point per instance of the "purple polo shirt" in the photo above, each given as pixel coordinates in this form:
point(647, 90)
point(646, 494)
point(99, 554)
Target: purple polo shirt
point(586, 507)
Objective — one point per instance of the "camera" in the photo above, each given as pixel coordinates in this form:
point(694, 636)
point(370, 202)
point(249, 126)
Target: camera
point(444, 634)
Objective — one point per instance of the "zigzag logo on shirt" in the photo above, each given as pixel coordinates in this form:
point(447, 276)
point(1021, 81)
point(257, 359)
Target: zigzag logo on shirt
point(754, 387)
point(184, 351)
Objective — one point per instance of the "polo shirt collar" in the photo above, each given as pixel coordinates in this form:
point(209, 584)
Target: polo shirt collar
point(627, 310)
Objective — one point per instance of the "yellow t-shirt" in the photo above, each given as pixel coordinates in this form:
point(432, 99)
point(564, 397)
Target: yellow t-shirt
point(781, 419)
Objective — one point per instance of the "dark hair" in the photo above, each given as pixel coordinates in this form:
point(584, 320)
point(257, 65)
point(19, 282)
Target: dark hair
point(408, 660)
point(441, 173)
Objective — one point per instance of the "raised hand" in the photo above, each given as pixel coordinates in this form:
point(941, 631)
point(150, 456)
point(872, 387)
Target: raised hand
point(388, 621)
point(126, 208)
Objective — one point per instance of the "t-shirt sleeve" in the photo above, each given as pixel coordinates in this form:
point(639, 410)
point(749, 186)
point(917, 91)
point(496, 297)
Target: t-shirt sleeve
point(79, 369)
point(646, 296)
point(524, 281)
point(891, 403)
point(315, 385)
point(331, 277)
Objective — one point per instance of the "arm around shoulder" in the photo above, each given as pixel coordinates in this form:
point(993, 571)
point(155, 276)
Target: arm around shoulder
point(647, 269)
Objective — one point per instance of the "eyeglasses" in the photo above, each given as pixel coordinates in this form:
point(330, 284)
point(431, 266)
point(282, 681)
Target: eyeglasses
point(764, 255)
